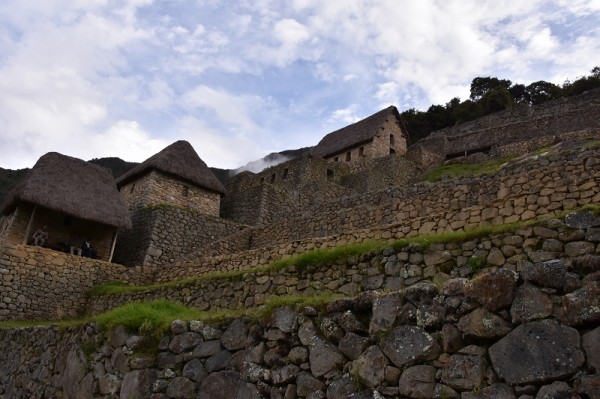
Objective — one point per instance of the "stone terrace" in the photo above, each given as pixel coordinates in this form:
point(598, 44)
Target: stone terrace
point(540, 185)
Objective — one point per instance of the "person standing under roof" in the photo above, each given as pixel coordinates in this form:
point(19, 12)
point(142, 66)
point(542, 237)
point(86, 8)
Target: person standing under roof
point(40, 236)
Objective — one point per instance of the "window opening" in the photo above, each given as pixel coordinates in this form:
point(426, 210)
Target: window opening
point(336, 159)
point(392, 139)
point(392, 151)
point(273, 178)
point(361, 151)
point(348, 156)
point(329, 174)
point(285, 173)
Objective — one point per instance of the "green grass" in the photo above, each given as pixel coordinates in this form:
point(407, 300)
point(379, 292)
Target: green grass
point(146, 316)
point(155, 317)
point(462, 170)
point(318, 256)
point(591, 144)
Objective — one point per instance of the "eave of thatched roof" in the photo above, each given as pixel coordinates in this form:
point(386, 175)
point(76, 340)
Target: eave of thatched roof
point(356, 134)
point(73, 187)
point(180, 161)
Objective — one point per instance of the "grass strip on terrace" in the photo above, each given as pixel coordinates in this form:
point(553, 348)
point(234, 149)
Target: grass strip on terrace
point(155, 317)
point(334, 254)
point(463, 170)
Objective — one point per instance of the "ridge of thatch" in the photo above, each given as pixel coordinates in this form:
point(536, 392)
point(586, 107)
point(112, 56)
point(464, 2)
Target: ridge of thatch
point(178, 160)
point(350, 136)
point(73, 187)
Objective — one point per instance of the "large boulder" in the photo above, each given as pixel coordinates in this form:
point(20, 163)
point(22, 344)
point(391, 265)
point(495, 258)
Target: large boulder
point(226, 385)
point(407, 345)
point(324, 357)
point(494, 290)
point(418, 382)
point(137, 384)
point(370, 367)
point(537, 352)
point(481, 323)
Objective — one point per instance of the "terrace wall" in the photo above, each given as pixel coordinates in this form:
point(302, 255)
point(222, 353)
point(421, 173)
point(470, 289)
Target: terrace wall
point(163, 234)
point(520, 124)
point(540, 186)
point(41, 284)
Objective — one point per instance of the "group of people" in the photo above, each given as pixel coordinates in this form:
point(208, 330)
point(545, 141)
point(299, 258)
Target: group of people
point(76, 247)
point(83, 248)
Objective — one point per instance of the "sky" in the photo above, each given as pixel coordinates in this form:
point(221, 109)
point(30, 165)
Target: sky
point(240, 79)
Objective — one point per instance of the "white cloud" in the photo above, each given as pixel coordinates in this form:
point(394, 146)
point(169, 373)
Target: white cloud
point(124, 139)
point(346, 115)
point(248, 77)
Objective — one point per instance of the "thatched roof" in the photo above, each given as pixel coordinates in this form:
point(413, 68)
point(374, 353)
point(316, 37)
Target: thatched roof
point(73, 187)
point(358, 133)
point(180, 161)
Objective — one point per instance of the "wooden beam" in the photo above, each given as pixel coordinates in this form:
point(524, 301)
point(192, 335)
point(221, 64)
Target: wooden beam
point(112, 247)
point(28, 229)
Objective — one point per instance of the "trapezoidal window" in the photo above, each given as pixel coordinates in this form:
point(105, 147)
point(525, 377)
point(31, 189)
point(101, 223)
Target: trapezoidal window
point(285, 173)
point(392, 140)
point(392, 151)
point(329, 174)
point(348, 156)
point(262, 180)
point(336, 159)
point(273, 178)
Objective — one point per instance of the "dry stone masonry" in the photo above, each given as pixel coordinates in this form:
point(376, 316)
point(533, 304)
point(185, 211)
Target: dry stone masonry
point(532, 332)
point(513, 313)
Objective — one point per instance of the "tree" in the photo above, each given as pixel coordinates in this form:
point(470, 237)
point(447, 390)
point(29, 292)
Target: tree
point(583, 84)
point(467, 111)
point(416, 123)
point(481, 86)
point(496, 100)
point(539, 92)
point(518, 92)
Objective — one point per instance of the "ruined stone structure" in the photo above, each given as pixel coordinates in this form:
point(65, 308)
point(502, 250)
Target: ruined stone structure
point(514, 131)
point(376, 136)
point(444, 318)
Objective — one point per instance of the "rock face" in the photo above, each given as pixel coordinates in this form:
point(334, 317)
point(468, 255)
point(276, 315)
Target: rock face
point(545, 350)
point(525, 329)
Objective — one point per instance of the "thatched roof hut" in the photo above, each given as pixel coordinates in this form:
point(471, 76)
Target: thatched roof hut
point(73, 187)
point(356, 134)
point(179, 160)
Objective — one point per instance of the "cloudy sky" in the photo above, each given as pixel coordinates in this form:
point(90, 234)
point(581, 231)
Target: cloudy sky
point(242, 78)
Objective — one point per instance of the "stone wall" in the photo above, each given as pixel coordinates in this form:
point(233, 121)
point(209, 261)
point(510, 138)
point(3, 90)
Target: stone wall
point(546, 241)
point(41, 284)
point(293, 186)
point(522, 124)
point(382, 174)
point(505, 316)
point(162, 234)
point(389, 140)
point(541, 185)
point(156, 188)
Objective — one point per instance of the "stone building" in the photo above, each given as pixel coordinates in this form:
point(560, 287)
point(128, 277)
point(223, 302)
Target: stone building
point(175, 176)
point(174, 200)
point(76, 200)
point(376, 136)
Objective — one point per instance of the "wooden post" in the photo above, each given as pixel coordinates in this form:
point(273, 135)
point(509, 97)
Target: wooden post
point(28, 229)
point(112, 247)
